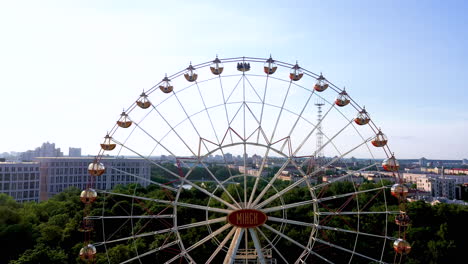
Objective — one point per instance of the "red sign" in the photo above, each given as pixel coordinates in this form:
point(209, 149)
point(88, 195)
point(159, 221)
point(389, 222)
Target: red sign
point(247, 218)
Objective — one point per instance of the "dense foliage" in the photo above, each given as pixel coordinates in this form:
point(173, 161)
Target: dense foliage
point(47, 232)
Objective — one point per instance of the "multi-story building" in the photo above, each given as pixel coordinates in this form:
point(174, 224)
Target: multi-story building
point(20, 180)
point(442, 187)
point(422, 162)
point(57, 174)
point(437, 186)
point(74, 152)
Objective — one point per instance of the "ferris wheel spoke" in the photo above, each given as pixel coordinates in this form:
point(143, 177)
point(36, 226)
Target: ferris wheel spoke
point(220, 184)
point(329, 140)
point(298, 118)
point(245, 174)
point(194, 114)
point(300, 223)
point(270, 183)
point(309, 202)
point(207, 113)
point(257, 245)
point(145, 179)
point(241, 105)
point(234, 246)
point(340, 178)
point(296, 243)
point(281, 111)
point(271, 244)
point(193, 206)
point(352, 231)
point(252, 114)
point(98, 217)
point(149, 135)
point(167, 230)
point(200, 242)
point(289, 221)
point(173, 130)
point(221, 245)
point(225, 106)
point(253, 88)
point(244, 139)
point(257, 179)
point(167, 245)
point(190, 120)
point(263, 105)
point(202, 223)
point(350, 194)
point(117, 229)
point(287, 206)
point(292, 186)
point(352, 252)
point(184, 180)
point(235, 87)
point(313, 130)
point(357, 213)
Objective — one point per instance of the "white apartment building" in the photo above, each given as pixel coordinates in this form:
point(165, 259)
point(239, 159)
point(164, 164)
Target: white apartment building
point(20, 180)
point(59, 173)
point(443, 188)
point(438, 186)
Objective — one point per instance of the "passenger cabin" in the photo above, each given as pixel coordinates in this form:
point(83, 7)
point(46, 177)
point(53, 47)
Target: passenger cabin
point(270, 66)
point(96, 168)
point(124, 121)
point(296, 73)
point(321, 84)
point(380, 140)
point(243, 66)
point(107, 144)
point(399, 191)
point(390, 164)
point(143, 101)
point(342, 99)
point(86, 226)
point(216, 67)
point(166, 86)
point(88, 196)
point(88, 252)
point(401, 246)
point(362, 118)
point(190, 74)
point(402, 219)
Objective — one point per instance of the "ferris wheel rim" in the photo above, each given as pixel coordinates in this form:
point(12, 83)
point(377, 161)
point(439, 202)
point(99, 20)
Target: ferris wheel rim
point(230, 60)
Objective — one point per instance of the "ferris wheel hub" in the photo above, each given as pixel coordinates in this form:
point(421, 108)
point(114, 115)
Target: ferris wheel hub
point(247, 218)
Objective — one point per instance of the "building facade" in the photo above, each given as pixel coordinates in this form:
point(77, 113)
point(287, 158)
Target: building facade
point(74, 152)
point(20, 180)
point(46, 150)
point(442, 187)
point(57, 174)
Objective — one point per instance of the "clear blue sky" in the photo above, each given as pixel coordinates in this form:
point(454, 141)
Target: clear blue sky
point(67, 68)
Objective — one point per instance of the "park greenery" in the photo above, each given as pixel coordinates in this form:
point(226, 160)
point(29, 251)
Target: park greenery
point(48, 232)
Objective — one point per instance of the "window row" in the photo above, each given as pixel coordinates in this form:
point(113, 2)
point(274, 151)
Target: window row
point(19, 177)
point(18, 169)
point(19, 185)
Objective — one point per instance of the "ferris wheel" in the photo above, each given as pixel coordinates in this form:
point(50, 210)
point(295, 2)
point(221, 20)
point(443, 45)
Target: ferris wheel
point(252, 161)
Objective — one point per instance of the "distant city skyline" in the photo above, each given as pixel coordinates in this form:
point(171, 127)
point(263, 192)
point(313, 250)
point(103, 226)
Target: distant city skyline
point(68, 68)
point(51, 151)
